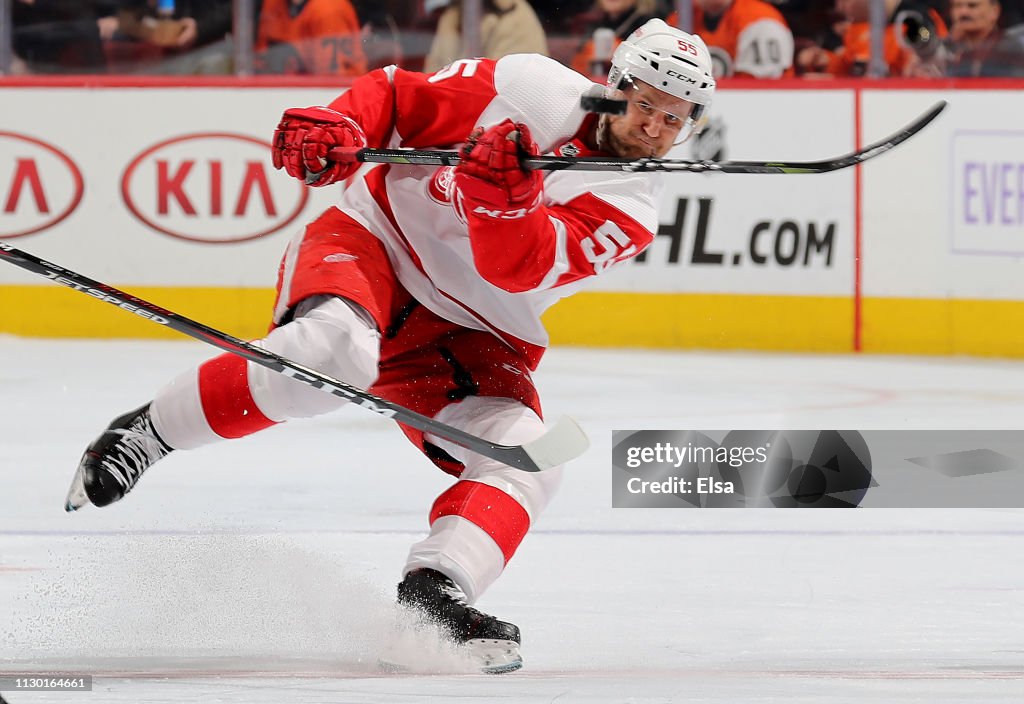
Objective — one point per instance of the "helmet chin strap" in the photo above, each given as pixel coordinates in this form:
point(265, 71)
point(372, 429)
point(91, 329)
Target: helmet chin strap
point(603, 120)
point(602, 127)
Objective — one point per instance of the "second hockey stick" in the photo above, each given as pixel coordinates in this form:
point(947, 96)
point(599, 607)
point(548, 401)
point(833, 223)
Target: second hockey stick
point(563, 442)
point(561, 163)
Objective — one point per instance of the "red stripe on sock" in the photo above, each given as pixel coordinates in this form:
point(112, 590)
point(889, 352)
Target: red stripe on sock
point(497, 513)
point(227, 401)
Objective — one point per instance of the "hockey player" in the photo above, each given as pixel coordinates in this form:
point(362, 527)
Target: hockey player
point(425, 285)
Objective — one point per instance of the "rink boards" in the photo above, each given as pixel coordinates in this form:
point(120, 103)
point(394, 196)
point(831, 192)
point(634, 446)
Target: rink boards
point(167, 190)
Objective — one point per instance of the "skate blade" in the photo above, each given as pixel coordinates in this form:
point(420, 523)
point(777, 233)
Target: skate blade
point(492, 657)
point(395, 668)
point(76, 498)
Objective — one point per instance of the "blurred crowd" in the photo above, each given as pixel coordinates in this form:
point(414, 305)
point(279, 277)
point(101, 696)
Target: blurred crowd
point(750, 38)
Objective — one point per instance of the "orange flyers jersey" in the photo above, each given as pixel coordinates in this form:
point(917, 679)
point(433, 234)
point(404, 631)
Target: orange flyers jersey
point(853, 57)
point(322, 38)
point(591, 220)
point(750, 39)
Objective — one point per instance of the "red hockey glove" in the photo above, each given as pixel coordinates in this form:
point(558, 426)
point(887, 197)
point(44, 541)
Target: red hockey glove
point(489, 178)
point(303, 138)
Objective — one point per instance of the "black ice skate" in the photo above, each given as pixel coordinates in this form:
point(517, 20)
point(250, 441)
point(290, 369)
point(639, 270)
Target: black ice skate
point(491, 643)
point(113, 463)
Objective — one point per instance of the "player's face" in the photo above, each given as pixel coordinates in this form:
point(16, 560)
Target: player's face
point(651, 125)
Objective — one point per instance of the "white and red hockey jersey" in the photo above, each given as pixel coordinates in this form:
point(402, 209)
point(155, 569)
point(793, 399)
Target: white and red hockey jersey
point(477, 280)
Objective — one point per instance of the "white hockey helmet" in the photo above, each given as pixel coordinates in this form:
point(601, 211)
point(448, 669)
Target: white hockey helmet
point(669, 59)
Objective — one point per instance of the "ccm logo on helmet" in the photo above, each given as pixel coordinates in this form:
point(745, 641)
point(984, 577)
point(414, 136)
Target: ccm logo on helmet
point(681, 77)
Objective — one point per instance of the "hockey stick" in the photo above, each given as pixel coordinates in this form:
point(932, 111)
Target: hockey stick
point(559, 163)
point(563, 442)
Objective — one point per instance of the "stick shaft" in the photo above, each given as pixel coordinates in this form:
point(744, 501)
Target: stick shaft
point(560, 163)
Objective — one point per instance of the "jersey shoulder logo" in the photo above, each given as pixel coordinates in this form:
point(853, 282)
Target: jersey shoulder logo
point(439, 188)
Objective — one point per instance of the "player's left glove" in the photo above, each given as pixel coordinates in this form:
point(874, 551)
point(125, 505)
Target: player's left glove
point(490, 179)
point(303, 138)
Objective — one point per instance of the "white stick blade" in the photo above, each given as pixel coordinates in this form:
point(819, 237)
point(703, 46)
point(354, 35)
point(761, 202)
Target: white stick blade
point(565, 441)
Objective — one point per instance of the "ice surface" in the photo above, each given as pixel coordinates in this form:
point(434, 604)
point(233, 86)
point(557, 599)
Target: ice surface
point(263, 570)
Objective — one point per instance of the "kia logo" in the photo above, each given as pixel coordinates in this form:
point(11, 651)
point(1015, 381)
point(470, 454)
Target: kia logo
point(213, 188)
point(39, 185)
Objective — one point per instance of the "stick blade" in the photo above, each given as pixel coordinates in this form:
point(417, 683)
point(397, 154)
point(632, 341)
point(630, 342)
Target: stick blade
point(565, 441)
point(884, 145)
point(813, 167)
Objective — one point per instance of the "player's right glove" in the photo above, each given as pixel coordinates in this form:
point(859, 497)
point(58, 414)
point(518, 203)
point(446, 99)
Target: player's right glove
point(490, 179)
point(303, 138)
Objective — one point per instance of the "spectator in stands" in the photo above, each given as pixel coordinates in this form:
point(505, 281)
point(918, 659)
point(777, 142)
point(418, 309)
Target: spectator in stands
point(180, 36)
point(747, 38)
point(805, 18)
point(976, 45)
point(613, 21)
point(913, 28)
point(815, 23)
point(562, 17)
point(320, 37)
point(1012, 13)
point(382, 32)
point(506, 27)
point(61, 36)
